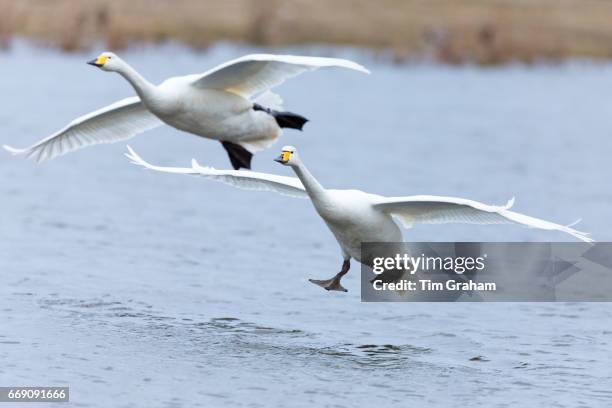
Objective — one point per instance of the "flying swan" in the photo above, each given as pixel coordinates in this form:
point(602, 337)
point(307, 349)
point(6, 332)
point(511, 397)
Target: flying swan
point(230, 103)
point(354, 216)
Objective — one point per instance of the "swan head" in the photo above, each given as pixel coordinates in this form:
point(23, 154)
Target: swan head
point(288, 156)
point(107, 61)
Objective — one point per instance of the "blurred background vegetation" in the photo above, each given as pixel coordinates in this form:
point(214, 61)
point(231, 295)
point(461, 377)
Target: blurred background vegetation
point(450, 31)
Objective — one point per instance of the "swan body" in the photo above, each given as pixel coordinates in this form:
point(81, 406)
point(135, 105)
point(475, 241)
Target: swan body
point(200, 112)
point(231, 103)
point(355, 216)
point(352, 219)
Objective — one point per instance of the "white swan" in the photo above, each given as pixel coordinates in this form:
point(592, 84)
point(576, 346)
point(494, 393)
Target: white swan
point(354, 216)
point(230, 103)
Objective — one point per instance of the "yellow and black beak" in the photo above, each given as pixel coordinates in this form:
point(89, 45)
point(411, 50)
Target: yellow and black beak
point(284, 157)
point(98, 62)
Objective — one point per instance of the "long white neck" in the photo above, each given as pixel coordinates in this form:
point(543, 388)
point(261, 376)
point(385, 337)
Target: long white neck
point(312, 186)
point(143, 88)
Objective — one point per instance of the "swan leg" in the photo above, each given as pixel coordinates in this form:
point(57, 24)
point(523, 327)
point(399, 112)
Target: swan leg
point(238, 155)
point(283, 119)
point(334, 283)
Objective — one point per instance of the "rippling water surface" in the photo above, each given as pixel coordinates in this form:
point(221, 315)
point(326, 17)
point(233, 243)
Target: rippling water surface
point(145, 289)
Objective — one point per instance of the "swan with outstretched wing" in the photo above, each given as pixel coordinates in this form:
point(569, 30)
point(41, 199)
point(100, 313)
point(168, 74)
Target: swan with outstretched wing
point(231, 103)
point(354, 216)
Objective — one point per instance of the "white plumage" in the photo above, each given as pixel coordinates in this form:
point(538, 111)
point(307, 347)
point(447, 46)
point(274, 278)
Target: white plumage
point(218, 105)
point(246, 180)
point(249, 75)
point(119, 121)
point(427, 209)
point(354, 216)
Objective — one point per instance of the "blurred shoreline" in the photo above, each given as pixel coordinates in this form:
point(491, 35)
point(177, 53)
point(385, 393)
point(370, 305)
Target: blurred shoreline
point(447, 31)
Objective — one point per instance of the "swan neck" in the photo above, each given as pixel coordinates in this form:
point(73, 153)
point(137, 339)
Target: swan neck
point(312, 186)
point(143, 88)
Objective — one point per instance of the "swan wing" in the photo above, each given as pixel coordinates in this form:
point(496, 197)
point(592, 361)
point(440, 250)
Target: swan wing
point(246, 180)
point(256, 73)
point(118, 121)
point(442, 210)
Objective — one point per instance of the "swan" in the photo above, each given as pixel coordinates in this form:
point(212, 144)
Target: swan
point(230, 103)
point(354, 216)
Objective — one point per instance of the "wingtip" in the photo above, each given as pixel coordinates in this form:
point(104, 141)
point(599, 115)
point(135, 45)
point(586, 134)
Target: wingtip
point(134, 157)
point(364, 70)
point(581, 235)
point(131, 153)
point(13, 150)
point(357, 67)
point(352, 65)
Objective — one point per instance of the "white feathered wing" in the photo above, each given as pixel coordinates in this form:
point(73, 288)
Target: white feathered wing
point(441, 210)
point(244, 179)
point(118, 121)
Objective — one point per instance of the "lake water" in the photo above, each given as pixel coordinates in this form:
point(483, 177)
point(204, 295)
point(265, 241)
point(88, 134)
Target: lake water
point(141, 289)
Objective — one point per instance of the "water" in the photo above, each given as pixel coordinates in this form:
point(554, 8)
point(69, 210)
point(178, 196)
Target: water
point(146, 289)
